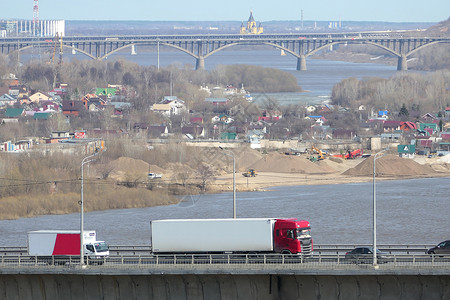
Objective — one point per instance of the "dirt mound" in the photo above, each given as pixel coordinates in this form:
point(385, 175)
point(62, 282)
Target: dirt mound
point(390, 165)
point(129, 167)
point(245, 158)
point(281, 163)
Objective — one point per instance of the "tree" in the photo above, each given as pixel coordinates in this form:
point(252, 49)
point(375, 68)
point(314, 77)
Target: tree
point(205, 173)
point(403, 111)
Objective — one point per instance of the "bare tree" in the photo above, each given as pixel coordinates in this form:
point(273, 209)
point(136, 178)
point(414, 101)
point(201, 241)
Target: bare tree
point(206, 174)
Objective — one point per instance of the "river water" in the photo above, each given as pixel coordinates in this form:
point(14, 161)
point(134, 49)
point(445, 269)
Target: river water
point(318, 80)
point(412, 211)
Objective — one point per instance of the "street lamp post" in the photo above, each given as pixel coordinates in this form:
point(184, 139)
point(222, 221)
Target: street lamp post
point(230, 153)
point(85, 160)
point(376, 156)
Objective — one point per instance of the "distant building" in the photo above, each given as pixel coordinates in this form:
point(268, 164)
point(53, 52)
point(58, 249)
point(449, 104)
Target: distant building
point(251, 28)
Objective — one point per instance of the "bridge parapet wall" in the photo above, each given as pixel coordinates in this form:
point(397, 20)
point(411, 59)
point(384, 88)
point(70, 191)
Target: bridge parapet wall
point(222, 286)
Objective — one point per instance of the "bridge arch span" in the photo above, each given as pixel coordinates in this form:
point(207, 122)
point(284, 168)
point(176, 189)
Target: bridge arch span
point(423, 46)
point(64, 46)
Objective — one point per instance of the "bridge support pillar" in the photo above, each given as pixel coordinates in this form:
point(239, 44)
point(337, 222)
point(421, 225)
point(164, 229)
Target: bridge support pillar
point(133, 50)
point(200, 64)
point(301, 63)
point(402, 65)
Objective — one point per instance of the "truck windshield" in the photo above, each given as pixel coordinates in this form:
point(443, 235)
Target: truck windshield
point(303, 233)
point(101, 247)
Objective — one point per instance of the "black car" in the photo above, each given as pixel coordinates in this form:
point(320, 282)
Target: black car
point(441, 248)
point(365, 255)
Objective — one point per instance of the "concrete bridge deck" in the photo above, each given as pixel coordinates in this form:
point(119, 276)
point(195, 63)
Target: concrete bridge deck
point(217, 282)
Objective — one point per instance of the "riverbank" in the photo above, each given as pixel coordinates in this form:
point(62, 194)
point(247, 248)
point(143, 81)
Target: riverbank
point(345, 171)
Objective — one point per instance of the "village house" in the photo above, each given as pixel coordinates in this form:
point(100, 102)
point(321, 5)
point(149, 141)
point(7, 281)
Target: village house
point(193, 132)
point(169, 106)
point(391, 126)
point(7, 100)
point(72, 107)
point(38, 97)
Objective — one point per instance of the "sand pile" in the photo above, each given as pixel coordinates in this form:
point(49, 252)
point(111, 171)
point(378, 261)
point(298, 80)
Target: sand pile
point(390, 165)
point(246, 158)
point(124, 167)
point(281, 163)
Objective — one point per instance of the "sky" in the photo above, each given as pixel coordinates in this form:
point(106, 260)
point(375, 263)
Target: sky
point(231, 10)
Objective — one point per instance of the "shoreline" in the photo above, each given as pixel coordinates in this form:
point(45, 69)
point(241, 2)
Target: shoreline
point(264, 180)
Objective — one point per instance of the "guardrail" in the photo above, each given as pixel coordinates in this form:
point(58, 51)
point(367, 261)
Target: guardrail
point(299, 261)
point(318, 249)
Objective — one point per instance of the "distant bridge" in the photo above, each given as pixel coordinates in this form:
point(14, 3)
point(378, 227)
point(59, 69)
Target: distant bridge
point(202, 46)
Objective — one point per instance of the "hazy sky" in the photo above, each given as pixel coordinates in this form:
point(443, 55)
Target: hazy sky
point(231, 10)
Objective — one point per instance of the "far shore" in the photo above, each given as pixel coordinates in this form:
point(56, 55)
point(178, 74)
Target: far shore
point(266, 180)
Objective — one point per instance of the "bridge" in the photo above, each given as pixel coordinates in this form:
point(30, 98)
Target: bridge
point(407, 274)
point(200, 47)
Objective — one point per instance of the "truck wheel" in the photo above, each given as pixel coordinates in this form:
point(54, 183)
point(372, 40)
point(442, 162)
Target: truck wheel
point(286, 252)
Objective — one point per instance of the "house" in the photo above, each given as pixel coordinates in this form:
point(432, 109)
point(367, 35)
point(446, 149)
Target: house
point(109, 92)
point(391, 126)
point(58, 92)
point(140, 126)
point(18, 91)
point(222, 118)
point(196, 120)
point(270, 115)
point(38, 96)
point(72, 107)
point(346, 134)
point(447, 112)
point(93, 102)
point(217, 101)
point(228, 136)
point(170, 105)
point(383, 114)
point(10, 79)
point(41, 116)
point(429, 128)
point(14, 112)
point(49, 106)
point(428, 118)
point(408, 126)
point(230, 90)
point(118, 107)
point(193, 131)
point(158, 131)
point(7, 100)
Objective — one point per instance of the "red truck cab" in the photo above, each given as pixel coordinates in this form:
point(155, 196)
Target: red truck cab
point(292, 236)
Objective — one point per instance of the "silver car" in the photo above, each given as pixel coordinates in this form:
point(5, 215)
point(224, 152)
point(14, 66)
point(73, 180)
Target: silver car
point(441, 248)
point(365, 255)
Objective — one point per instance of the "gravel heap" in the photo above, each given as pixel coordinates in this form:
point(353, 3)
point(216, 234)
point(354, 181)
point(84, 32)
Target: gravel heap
point(281, 163)
point(390, 165)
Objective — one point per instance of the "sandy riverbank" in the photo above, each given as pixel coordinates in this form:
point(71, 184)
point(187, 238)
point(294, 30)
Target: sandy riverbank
point(346, 171)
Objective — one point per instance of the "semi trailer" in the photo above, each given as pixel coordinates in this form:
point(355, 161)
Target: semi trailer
point(243, 235)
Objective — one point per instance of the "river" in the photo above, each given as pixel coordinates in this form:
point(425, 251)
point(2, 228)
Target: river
point(317, 81)
point(412, 211)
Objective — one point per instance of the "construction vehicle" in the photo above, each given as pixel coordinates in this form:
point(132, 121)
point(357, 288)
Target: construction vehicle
point(250, 173)
point(350, 154)
point(317, 151)
point(353, 154)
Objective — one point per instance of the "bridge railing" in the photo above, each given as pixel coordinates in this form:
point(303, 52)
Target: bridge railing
point(318, 249)
point(320, 261)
